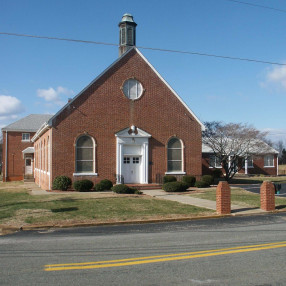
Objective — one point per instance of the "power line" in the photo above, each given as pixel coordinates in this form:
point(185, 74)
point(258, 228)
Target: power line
point(257, 5)
point(146, 48)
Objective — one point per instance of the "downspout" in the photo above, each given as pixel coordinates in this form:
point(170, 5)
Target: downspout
point(6, 159)
point(277, 166)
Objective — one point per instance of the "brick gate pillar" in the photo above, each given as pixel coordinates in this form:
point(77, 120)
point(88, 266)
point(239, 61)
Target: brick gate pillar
point(223, 198)
point(267, 196)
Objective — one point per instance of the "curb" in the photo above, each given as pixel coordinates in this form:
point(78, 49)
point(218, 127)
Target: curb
point(10, 229)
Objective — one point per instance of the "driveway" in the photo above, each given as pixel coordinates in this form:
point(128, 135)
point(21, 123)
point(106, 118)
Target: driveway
point(255, 188)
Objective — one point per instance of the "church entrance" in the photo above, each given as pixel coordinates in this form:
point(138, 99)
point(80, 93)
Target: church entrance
point(131, 169)
point(132, 153)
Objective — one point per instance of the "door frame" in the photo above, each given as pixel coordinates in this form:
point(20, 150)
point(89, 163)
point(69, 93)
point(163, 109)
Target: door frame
point(132, 136)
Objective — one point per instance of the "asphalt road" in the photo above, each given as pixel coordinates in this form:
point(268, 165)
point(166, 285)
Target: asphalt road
point(255, 188)
point(229, 251)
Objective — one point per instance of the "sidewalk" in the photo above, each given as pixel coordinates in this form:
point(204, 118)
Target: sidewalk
point(186, 199)
point(180, 198)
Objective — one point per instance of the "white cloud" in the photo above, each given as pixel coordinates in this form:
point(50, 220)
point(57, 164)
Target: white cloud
point(10, 107)
point(276, 77)
point(54, 96)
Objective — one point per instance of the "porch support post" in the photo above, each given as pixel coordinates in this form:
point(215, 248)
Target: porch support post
point(119, 156)
point(246, 166)
point(145, 161)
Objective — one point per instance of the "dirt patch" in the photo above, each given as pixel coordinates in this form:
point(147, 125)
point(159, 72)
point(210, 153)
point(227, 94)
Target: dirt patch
point(22, 215)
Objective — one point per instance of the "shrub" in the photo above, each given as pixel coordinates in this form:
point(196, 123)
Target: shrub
point(168, 179)
point(208, 179)
point(123, 189)
point(175, 187)
point(217, 173)
point(107, 185)
point(62, 183)
point(189, 180)
point(201, 184)
point(103, 185)
point(83, 185)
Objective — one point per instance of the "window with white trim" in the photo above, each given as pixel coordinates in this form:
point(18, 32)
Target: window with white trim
point(174, 155)
point(249, 162)
point(214, 162)
point(26, 137)
point(132, 88)
point(269, 160)
point(84, 155)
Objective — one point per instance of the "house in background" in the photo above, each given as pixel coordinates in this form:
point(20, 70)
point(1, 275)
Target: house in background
point(263, 162)
point(18, 157)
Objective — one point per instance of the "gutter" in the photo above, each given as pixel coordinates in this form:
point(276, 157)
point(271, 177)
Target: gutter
point(41, 130)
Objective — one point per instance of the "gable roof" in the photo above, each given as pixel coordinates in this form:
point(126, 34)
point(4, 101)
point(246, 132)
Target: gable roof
point(50, 122)
point(264, 148)
point(30, 123)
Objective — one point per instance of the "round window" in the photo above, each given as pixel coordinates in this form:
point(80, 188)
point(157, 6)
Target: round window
point(132, 88)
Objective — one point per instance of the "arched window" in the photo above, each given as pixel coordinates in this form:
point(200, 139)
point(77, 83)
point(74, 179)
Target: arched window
point(84, 155)
point(175, 161)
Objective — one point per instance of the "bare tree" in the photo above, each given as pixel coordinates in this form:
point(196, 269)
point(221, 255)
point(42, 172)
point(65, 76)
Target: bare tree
point(231, 142)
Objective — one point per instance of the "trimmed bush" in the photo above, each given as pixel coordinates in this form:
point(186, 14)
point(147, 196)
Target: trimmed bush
point(103, 185)
point(106, 184)
point(217, 173)
point(123, 189)
point(201, 184)
point(208, 179)
point(168, 179)
point(189, 180)
point(62, 183)
point(175, 187)
point(83, 185)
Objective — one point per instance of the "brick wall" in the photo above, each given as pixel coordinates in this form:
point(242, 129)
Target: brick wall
point(102, 110)
point(16, 163)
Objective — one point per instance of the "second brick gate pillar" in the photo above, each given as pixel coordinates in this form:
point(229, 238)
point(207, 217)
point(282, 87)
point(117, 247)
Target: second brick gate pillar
point(267, 196)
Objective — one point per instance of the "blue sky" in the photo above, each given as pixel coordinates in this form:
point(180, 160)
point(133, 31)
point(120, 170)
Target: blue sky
point(39, 75)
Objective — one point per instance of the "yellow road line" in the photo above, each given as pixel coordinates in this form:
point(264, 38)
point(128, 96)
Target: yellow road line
point(162, 258)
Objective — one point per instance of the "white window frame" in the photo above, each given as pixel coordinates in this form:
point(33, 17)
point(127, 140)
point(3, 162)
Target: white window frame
point(217, 165)
point(267, 159)
point(126, 88)
point(178, 172)
point(90, 173)
point(249, 162)
point(24, 139)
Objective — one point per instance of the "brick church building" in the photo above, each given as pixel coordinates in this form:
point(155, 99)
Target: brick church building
point(128, 125)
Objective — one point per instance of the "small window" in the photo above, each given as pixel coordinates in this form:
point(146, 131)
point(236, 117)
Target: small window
point(269, 161)
point(174, 154)
point(132, 89)
point(214, 162)
point(135, 160)
point(126, 160)
point(25, 136)
point(249, 162)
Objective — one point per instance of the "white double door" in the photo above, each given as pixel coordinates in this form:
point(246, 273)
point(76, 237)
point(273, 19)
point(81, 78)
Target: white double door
point(131, 169)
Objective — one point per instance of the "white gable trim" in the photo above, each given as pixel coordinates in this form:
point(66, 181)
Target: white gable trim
point(172, 90)
point(80, 93)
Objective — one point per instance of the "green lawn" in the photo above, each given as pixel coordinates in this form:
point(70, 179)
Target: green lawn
point(240, 197)
point(18, 207)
